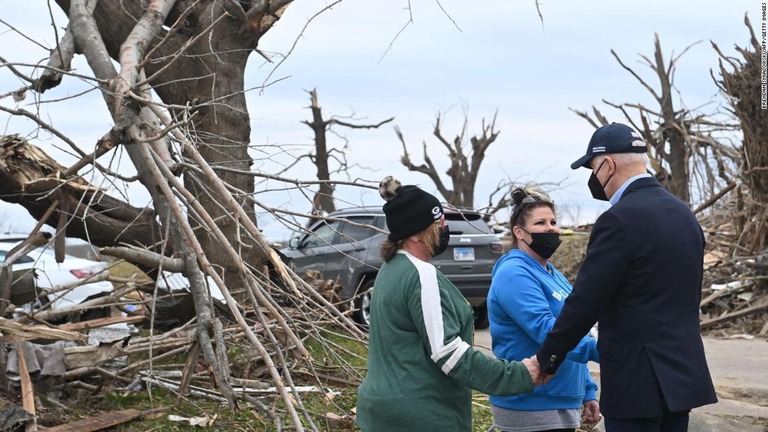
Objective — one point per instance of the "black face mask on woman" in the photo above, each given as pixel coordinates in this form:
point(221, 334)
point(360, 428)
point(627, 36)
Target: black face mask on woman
point(544, 244)
point(445, 237)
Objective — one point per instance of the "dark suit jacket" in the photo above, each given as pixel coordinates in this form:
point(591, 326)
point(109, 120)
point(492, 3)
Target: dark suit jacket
point(641, 281)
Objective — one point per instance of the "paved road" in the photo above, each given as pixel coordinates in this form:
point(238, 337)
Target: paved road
point(739, 370)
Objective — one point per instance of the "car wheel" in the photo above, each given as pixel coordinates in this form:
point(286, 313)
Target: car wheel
point(481, 317)
point(363, 304)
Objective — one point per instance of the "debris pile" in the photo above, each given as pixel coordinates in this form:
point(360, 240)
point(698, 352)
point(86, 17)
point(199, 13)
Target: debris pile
point(131, 349)
point(734, 297)
point(735, 287)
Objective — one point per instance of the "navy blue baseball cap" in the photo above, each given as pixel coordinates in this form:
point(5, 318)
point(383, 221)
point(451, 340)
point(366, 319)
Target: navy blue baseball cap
point(612, 138)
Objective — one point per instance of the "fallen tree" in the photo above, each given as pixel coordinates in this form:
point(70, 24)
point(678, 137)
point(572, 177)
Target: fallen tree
point(190, 152)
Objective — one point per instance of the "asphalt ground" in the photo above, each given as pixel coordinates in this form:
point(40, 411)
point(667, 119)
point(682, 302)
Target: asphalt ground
point(739, 369)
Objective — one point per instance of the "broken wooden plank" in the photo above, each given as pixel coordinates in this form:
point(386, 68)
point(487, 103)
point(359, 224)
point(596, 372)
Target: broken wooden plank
point(104, 421)
point(27, 390)
point(733, 315)
point(718, 290)
point(712, 297)
point(12, 331)
point(189, 369)
point(100, 322)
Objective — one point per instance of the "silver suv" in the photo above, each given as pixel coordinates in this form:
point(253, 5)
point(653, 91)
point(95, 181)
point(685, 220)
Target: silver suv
point(346, 246)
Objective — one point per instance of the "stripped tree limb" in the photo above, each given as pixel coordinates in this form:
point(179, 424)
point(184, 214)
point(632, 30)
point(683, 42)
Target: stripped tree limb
point(466, 155)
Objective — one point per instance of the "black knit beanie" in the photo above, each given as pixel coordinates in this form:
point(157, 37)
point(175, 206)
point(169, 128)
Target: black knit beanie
point(409, 210)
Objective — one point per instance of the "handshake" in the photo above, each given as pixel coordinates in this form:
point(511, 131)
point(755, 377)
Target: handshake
point(537, 375)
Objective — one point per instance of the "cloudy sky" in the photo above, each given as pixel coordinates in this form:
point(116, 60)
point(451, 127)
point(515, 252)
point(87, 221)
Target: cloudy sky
point(455, 57)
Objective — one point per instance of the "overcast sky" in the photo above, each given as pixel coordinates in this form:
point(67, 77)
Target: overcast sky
point(473, 57)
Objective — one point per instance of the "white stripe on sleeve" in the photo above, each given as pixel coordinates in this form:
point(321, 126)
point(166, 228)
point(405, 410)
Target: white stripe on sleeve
point(455, 357)
point(433, 316)
point(446, 349)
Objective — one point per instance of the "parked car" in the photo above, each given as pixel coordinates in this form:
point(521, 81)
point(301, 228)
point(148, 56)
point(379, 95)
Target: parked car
point(50, 274)
point(346, 246)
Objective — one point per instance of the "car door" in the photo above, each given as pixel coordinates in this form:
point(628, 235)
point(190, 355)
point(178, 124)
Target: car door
point(349, 249)
point(315, 247)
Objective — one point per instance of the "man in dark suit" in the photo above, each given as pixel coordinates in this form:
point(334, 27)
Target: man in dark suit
point(641, 280)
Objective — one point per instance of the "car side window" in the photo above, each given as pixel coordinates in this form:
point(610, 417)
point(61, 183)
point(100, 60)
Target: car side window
point(323, 235)
point(355, 231)
point(380, 222)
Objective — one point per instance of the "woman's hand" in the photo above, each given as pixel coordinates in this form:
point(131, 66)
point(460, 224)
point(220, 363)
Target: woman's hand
point(590, 414)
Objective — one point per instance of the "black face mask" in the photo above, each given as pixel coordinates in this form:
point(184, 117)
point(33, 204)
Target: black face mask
point(544, 244)
point(595, 188)
point(445, 237)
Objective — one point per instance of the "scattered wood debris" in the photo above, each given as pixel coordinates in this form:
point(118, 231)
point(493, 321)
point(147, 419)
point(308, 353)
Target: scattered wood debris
point(104, 421)
point(735, 286)
point(84, 355)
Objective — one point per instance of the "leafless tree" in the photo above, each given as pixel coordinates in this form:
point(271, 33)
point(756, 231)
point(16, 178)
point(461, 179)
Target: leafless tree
point(190, 151)
point(323, 200)
point(465, 161)
point(683, 143)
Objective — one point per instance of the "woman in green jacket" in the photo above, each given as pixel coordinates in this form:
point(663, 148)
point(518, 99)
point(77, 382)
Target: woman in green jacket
point(421, 364)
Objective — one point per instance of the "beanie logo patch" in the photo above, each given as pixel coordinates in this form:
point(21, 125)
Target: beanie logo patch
point(436, 212)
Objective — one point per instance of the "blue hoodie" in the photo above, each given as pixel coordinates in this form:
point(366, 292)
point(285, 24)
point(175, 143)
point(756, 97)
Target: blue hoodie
point(523, 303)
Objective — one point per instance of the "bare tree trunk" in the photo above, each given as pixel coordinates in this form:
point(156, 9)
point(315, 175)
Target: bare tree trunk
point(200, 65)
point(323, 201)
point(673, 129)
point(465, 166)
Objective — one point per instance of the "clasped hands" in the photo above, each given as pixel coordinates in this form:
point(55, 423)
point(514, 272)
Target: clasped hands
point(590, 414)
point(538, 376)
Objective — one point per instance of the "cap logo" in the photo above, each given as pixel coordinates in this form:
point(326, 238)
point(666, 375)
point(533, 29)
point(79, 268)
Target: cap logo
point(436, 213)
point(638, 143)
point(600, 149)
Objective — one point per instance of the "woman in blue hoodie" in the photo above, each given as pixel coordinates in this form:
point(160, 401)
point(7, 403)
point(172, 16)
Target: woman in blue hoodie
point(525, 298)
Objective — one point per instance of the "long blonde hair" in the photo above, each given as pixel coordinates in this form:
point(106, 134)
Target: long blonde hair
point(388, 248)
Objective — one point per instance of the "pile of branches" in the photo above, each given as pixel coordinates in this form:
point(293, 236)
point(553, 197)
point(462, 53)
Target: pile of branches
point(73, 356)
point(735, 285)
